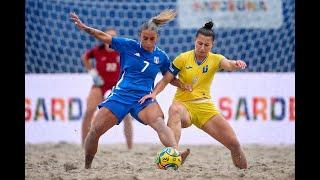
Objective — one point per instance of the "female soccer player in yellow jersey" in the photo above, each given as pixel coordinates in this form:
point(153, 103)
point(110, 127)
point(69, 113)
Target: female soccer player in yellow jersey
point(192, 103)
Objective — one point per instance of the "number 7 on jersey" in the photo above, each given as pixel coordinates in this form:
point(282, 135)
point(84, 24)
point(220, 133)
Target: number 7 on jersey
point(145, 67)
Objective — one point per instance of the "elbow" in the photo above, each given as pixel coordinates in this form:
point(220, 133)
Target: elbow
point(83, 59)
point(166, 81)
point(171, 80)
point(106, 39)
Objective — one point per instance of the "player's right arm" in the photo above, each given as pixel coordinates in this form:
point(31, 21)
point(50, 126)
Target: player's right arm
point(86, 62)
point(102, 36)
point(97, 79)
point(232, 65)
point(169, 77)
point(185, 87)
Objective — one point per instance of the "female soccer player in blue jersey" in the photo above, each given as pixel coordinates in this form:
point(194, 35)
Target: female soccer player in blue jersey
point(196, 68)
point(140, 62)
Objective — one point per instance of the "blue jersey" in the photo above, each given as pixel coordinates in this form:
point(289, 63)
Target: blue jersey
point(139, 67)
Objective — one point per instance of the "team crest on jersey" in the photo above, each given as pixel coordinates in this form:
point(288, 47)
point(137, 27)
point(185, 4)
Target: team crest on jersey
point(156, 59)
point(195, 80)
point(205, 69)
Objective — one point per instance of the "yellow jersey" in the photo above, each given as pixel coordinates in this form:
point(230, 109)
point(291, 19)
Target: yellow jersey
point(200, 76)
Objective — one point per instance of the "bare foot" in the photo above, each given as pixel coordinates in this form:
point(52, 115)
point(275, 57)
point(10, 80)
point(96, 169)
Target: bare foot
point(239, 159)
point(184, 155)
point(88, 161)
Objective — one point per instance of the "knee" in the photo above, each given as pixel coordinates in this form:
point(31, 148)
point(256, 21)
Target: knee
point(96, 130)
point(158, 124)
point(102, 122)
point(175, 109)
point(158, 121)
point(93, 132)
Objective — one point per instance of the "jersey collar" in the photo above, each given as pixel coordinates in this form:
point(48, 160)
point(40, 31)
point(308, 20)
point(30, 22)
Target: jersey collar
point(194, 59)
point(145, 50)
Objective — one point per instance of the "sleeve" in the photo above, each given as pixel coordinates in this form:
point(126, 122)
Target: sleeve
point(219, 58)
point(121, 44)
point(176, 65)
point(166, 64)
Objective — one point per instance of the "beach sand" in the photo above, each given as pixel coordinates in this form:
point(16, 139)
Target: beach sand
point(114, 161)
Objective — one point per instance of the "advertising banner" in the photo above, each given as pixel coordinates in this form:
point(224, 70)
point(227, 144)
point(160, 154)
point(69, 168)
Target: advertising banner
point(262, 14)
point(259, 106)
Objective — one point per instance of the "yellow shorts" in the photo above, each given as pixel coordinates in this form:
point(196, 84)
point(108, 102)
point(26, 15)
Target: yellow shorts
point(200, 112)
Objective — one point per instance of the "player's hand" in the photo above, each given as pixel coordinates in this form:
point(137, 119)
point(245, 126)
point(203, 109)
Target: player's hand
point(240, 64)
point(186, 87)
point(77, 21)
point(144, 98)
point(97, 80)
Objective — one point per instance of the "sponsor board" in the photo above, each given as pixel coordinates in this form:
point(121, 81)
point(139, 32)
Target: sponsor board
point(261, 14)
point(259, 106)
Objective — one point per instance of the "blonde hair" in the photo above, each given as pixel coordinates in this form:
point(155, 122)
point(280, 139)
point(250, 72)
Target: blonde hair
point(156, 21)
point(165, 16)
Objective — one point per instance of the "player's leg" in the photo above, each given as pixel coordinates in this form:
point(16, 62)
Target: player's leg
point(219, 128)
point(153, 116)
point(127, 127)
point(94, 98)
point(178, 118)
point(103, 121)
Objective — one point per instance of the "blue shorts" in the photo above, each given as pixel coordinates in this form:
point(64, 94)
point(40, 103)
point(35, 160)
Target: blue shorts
point(121, 103)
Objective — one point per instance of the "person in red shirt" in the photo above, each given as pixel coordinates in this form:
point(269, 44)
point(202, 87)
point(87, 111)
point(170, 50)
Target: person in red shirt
point(105, 75)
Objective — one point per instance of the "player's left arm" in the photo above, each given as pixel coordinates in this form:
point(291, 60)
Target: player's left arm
point(166, 79)
point(174, 71)
point(176, 82)
point(232, 65)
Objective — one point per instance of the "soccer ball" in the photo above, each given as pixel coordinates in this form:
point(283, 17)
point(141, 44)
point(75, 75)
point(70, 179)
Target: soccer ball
point(168, 158)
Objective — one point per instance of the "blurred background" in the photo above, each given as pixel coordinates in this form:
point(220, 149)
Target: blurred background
point(259, 101)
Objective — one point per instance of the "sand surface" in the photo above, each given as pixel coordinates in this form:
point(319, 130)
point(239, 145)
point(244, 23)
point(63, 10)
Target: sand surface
point(114, 161)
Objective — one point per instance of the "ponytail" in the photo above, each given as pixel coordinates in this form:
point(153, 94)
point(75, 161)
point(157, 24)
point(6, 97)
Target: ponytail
point(155, 22)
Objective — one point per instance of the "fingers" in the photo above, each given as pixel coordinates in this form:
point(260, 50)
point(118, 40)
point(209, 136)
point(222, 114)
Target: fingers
point(73, 14)
point(144, 98)
point(74, 18)
point(241, 64)
point(187, 87)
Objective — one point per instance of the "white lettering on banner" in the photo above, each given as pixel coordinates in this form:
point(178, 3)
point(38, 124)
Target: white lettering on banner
point(259, 106)
point(262, 14)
